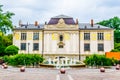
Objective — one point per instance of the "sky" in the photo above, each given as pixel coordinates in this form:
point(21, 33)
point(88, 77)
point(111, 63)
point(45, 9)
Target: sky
point(29, 11)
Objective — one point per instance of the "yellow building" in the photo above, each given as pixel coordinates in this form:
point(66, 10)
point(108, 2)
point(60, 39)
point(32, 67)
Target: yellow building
point(62, 36)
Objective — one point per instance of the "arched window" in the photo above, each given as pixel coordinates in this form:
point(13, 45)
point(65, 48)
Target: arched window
point(61, 37)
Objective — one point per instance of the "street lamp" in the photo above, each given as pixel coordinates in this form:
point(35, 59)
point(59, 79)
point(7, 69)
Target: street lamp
point(28, 47)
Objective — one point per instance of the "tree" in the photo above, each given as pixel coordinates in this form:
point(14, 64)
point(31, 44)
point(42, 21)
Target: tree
point(115, 24)
point(5, 20)
point(11, 50)
point(5, 40)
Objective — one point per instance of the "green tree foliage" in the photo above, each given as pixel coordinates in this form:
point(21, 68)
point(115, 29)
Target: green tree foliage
point(23, 59)
point(99, 60)
point(5, 20)
point(116, 47)
point(115, 24)
point(112, 23)
point(11, 50)
point(2, 52)
point(5, 40)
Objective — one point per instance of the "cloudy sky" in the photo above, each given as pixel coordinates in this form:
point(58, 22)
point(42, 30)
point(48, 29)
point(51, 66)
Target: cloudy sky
point(42, 10)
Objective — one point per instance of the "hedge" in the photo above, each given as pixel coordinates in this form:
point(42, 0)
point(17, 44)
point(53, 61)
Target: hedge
point(23, 59)
point(99, 60)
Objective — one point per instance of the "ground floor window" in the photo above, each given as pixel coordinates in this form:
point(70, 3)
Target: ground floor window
point(86, 47)
point(100, 47)
point(35, 46)
point(23, 46)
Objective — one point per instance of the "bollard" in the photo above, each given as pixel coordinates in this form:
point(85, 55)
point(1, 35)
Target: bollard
point(117, 67)
point(4, 66)
point(102, 69)
point(22, 69)
point(62, 71)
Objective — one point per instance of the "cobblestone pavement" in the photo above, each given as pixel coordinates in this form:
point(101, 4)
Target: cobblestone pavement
point(54, 74)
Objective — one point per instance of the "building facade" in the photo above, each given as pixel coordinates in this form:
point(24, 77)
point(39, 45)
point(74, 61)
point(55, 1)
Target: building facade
point(63, 36)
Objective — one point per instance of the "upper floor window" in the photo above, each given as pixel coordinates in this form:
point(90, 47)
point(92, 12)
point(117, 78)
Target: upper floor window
point(86, 47)
point(100, 36)
point(61, 37)
point(86, 36)
point(23, 46)
point(35, 46)
point(35, 36)
point(100, 47)
point(23, 36)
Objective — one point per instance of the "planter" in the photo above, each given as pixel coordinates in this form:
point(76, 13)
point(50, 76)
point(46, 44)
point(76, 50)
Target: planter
point(102, 69)
point(22, 69)
point(62, 71)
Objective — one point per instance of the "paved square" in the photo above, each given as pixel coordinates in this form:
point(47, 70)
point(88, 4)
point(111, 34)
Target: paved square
point(54, 74)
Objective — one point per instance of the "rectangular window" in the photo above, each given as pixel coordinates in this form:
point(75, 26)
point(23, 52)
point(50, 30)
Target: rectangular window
point(86, 36)
point(86, 47)
point(23, 36)
point(100, 36)
point(35, 46)
point(100, 47)
point(23, 46)
point(35, 36)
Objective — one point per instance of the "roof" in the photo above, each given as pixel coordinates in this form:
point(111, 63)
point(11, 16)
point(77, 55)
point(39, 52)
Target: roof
point(87, 26)
point(68, 20)
point(29, 27)
point(61, 16)
point(82, 26)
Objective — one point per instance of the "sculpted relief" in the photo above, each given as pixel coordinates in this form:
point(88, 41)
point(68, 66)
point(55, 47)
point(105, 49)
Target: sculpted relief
point(61, 25)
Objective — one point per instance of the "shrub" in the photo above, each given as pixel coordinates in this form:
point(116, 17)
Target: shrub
point(2, 52)
point(99, 60)
point(23, 59)
point(114, 50)
point(11, 50)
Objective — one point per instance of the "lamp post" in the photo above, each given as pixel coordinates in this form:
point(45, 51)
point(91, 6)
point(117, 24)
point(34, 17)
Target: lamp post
point(28, 47)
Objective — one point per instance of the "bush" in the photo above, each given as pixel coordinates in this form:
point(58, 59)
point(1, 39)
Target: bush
point(99, 60)
point(2, 50)
point(114, 50)
point(11, 50)
point(23, 59)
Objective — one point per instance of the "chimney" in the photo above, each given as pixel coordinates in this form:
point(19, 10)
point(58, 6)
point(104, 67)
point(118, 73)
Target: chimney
point(76, 21)
point(92, 23)
point(45, 22)
point(36, 23)
point(20, 22)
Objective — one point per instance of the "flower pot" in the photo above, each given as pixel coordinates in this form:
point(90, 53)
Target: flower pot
point(62, 71)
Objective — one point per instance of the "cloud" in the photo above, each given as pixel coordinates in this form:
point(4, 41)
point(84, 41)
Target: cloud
point(43, 10)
